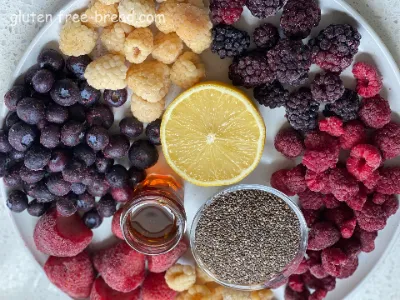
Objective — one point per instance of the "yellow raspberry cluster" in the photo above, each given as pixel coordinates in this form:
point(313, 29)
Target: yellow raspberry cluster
point(100, 15)
point(167, 47)
point(187, 70)
point(138, 13)
point(139, 45)
point(113, 37)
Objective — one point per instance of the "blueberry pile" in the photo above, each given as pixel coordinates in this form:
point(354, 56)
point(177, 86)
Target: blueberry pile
point(56, 147)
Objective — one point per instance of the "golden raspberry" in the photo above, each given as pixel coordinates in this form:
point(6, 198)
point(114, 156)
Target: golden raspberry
point(149, 80)
point(180, 278)
point(194, 27)
point(187, 70)
point(138, 13)
point(138, 45)
point(167, 47)
point(262, 295)
point(109, 2)
point(77, 39)
point(228, 293)
point(113, 37)
point(198, 292)
point(167, 19)
point(145, 111)
point(107, 72)
point(202, 277)
point(100, 15)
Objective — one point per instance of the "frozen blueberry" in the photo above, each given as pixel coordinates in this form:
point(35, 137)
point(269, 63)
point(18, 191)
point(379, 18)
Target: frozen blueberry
point(117, 176)
point(12, 178)
point(17, 201)
point(118, 147)
point(89, 176)
point(11, 119)
point(85, 202)
point(77, 65)
point(122, 194)
point(5, 146)
point(3, 164)
point(77, 112)
point(143, 154)
point(52, 60)
point(56, 113)
point(36, 209)
point(21, 136)
point(103, 164)
point(99, 186)
point(106, 206)
point(153, 132)
point(115, 98)
point(37, 157)
point(30, 73)
point(40, 192)
point(66, 206)
point(136, 176)
point(57, 185)
point(31, 176)
point(65, 92)
point(16, 156)
point(85, 153)
point(14, 95)
point(131, 127)
point(50, 136)
point(89, 95)
point(92, 219)
point(100, 115)
point(43, 81)
point(78, 188)
point(58, 161)
point(31, 110)
point(74, 171)
point(72, 133)
point(97, 138)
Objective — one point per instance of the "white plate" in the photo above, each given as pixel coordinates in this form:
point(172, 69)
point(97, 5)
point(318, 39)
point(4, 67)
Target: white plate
point(334, 11)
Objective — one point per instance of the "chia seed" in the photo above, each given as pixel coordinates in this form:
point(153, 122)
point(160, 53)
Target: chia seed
point(247, 237)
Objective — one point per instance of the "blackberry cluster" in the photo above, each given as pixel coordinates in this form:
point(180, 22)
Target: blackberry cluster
point(291, 60)
point(271, 95)
point(229, 41)
point(226, 11)
point(334, 48)
point(266, 36)
point(299, 18)
point(251, 70)
point(302, 110)
point(264, 8)
point(346, 107)
point(327, 87)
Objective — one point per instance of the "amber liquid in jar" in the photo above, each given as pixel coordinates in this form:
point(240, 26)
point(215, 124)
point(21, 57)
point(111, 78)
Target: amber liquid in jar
point(154, 221)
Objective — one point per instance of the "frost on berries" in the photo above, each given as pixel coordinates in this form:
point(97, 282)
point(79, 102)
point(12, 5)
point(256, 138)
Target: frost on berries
point(138, 45)
point(180, 278)
point(187, 70)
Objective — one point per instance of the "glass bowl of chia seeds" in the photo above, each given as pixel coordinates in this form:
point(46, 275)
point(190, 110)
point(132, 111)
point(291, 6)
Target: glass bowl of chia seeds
point(249, 237)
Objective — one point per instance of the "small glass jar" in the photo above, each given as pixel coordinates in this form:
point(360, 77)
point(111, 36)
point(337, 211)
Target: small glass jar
point(291, 267)
point(154, 221)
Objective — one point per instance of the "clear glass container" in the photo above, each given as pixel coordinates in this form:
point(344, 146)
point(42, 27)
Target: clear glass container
point(269, 282)
point(154, 221)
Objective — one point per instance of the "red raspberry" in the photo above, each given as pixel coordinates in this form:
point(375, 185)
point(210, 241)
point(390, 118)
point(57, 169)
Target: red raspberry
point(388, 184)
point(375, 112)
point(332, 260)
point(344, 219)
point(279, 180)
point(372, 217)
point(322, 235)
point(303, 267)
point(371, 182)
point(354, 133)
point(351, 247)
point(311, 216)
point(314, 255)
point(391, 206)
point(73, 275)
point(116, 226)
point(347, 228)
point(61, 236)
point(296, 283)
point(358, 201)
point(101, 291)
point(332, 125)
point(318, 295)
point(122, 268)
point(155, 288)
point(331, 202)
point(311, 200)
point(318, 140)
point(367, 239)
point(364, 160)
point(318, 271)
point(387, 140)
point(292, 295)
point(226, 11)
point(343, 185)
point(289, 142)
point(369, 82)
point(161, 263)
point(328, 283)
point(315, 181)
point(295, 180)
point(379, 198)
point(349, 268)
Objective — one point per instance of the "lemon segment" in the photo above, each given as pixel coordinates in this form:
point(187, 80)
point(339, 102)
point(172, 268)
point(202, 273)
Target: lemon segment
point(212, 135)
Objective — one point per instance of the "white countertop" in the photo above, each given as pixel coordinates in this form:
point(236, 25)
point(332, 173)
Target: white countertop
point(21, 277)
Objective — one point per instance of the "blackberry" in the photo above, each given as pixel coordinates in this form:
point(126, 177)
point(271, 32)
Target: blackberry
point(299, 17)
point(346, 107)
point(302, 110)
point(229, 41)
point(291, 60)
point(327, 87)
point(272, 95)
point(264, 8)
point(251, 70)
point(226, 11)
point(334, 47)
point(266, 36)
